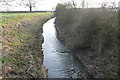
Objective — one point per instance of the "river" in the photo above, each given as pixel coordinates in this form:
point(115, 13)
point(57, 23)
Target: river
point(57, 59)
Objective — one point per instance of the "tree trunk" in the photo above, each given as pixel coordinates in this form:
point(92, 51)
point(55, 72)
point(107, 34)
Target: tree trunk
point(30, 8)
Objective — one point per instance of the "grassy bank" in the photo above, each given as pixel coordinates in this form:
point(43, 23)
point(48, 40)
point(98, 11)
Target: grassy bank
point(22, 39)
point(13, 16)
point(91, 33)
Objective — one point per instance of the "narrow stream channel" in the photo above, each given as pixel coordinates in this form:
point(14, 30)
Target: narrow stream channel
point(57, 59)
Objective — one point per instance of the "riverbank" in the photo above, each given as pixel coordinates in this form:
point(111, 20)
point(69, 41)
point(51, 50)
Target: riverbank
point(92, 35)
point(22, 46)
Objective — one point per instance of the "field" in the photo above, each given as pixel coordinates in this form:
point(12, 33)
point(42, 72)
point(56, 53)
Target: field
point(13, 16)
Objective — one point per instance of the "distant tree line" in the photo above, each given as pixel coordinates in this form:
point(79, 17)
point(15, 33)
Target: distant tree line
point(23, 11)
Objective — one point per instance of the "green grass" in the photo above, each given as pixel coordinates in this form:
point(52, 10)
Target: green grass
point(3, 59)
point(20, 14)
point(23, 40)
point(14, 16)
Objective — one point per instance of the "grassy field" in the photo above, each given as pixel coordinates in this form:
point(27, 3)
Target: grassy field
point(22, 55)
point(4, 17)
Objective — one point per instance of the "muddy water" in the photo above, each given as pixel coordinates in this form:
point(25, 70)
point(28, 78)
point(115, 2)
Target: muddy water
point(57, 59)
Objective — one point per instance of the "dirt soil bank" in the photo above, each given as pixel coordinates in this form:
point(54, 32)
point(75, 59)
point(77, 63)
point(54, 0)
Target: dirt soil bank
point(22, 52)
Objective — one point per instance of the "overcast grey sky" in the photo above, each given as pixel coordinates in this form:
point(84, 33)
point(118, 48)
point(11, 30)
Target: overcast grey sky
point(50, 4)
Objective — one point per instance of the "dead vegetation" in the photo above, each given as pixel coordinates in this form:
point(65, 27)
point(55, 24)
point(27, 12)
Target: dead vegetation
point(95, 29)
point(22, 54)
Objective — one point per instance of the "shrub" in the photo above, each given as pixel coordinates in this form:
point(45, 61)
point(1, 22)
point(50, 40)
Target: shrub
point(82, 28)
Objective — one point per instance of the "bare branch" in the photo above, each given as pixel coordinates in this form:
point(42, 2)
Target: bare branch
point(28, 3)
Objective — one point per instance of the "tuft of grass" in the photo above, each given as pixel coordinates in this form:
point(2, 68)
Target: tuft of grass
point(3, 59)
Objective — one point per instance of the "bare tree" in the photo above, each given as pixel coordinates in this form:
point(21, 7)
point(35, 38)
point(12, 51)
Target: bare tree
point(29, 3)
point(74, 4)
point(5, 3)
point(104, 4)
point(83, 3)
point(113, 6)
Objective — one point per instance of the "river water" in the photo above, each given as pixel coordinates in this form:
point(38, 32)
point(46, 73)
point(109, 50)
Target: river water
point(57, 59)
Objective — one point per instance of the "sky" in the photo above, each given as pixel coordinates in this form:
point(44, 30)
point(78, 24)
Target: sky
point(50, 4)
